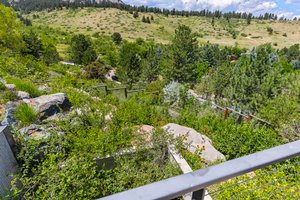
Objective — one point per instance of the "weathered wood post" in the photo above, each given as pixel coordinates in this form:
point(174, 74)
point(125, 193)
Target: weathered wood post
point(126, 94)
point(226, 113)
point(106, 90)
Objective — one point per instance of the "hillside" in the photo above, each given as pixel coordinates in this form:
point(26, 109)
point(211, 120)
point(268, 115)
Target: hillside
point(109, 119)
point(161, 29)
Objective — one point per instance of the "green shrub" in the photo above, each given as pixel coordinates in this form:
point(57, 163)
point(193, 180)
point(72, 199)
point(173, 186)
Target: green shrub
point(26, 86)
point(2, 86)
point(96, 70)
point(270, 30)
point(7, 96)
point(25, 114)
point(232, 139)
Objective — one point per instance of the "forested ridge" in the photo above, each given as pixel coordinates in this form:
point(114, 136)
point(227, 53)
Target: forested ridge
point(34, 5)
point(58, 152)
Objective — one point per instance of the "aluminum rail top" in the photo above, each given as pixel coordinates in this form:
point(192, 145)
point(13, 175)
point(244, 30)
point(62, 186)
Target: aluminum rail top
point(197, 180)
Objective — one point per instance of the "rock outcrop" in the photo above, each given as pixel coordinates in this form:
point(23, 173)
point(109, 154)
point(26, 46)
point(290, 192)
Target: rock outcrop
point(48, 105)
point(195, 141)
point(9, 118)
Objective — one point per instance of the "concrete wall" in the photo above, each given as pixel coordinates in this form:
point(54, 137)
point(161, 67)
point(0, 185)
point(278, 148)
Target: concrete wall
point(8, 164)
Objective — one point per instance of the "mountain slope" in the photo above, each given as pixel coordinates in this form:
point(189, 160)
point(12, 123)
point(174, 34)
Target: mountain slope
point(107, 21)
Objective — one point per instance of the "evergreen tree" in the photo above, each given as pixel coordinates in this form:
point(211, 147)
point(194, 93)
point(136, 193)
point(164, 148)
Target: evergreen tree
point(151, 65)
point(130, 69)
point(249, 17)
point(183, 56)
point(81, 50)
point(33, 44)
point(117, 38)
point(135, 14)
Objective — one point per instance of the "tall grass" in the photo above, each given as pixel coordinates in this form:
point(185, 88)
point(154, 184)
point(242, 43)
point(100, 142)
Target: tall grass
point(26, 86)
point(25, 114)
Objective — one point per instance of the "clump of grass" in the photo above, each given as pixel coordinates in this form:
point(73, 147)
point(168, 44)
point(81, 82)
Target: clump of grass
point(25, 114)
point(6, 96)
point(2, 86)
point(26, 86)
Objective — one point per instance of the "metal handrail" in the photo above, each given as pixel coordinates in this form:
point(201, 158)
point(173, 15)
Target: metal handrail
point(198, 180)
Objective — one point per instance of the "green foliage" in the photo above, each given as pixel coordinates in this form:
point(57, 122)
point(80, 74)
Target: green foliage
point(276, 182)
point(270, 30)
point(250, 81)
point(134, 113)
point(249, 18)
point(7, 96)
point(50, 54)
point(81, 49)
point(117, 38)
point(25, 114)
point(68, 167)
point(2, 86)
point(231, 139)
point(96, 70)
point(183, 56)
point(33, 44)
point(130, 60)
point(135, 14)
point(151, 64)
point(10, 36)
point(25, 86)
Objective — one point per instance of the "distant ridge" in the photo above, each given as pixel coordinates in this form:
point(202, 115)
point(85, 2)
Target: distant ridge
point(97, 1)
point(92, 1)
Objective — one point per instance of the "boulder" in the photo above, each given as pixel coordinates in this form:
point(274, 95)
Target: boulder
point(9, 118)
point(44, 88)
point(10, 86)
point(23, 95)
point(35, 132)
point(111, 75)
point(48, 105)
point(195, 141)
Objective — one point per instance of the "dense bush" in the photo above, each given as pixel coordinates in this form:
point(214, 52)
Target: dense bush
point(117, 38)
point(229, 138)
point(81, 49)
point(96, 70)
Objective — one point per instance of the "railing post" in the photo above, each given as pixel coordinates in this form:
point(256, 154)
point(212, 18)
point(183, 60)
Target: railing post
point(126, 95)
point(198, 195)
point(106, 90)
point(226, 114)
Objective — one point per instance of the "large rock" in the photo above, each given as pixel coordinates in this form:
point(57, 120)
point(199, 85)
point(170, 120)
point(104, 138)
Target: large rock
point(10, 86)
point(23, 95)
point(48, 105)
point(195, 142)
point(9, 118)
point(44, 88)
point(35, 132)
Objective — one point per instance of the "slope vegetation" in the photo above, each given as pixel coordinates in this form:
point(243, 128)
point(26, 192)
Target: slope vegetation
point(225, 32)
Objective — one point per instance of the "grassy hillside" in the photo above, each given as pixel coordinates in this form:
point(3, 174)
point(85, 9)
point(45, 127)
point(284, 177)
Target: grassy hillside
point(107, 21)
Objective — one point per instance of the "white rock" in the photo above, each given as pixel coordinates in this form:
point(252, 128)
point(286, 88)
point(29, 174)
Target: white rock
point(10, 86)
point(23, 95)
point(196, 141)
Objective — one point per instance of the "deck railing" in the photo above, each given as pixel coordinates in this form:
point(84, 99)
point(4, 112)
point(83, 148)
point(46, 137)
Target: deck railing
point(196, 182)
